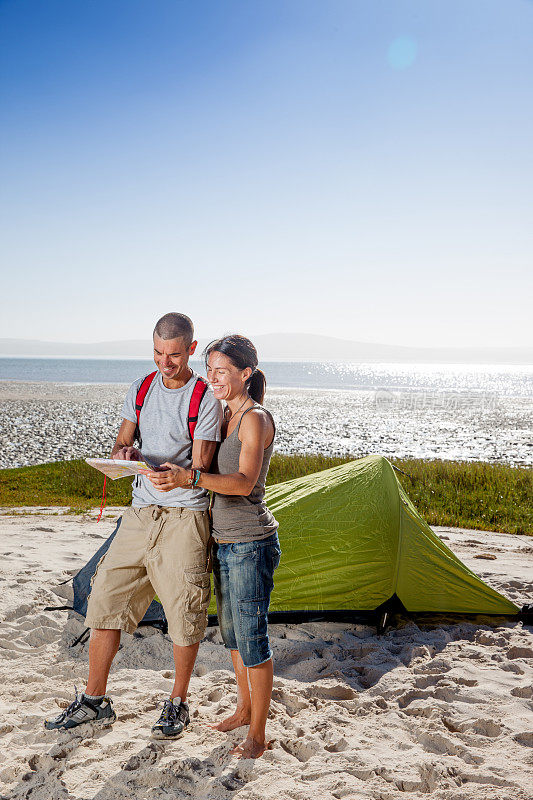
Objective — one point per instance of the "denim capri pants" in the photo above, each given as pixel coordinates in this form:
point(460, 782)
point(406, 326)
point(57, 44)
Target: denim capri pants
point(243, 574)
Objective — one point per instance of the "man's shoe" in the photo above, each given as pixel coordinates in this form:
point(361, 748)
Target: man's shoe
point(173, 720)
point(80, 711)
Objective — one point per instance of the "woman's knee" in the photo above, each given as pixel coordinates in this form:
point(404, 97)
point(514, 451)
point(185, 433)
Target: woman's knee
point(225, 622)
point(252, 631)
point(255, 652)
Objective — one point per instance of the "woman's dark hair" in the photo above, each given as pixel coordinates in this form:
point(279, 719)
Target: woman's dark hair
point(242, 354)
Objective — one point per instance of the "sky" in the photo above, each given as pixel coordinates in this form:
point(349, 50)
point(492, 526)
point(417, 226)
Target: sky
point(354, 169)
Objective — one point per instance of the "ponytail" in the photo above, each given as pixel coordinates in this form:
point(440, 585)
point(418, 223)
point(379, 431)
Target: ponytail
point(256, 385)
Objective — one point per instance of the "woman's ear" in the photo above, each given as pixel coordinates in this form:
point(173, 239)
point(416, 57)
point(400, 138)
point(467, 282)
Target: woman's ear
point(246, 373)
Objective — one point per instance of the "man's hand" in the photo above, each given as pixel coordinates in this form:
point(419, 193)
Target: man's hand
point(168, 477)
point(128, 454)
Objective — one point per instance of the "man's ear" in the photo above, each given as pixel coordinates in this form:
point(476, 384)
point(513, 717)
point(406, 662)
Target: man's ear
point(192, 347)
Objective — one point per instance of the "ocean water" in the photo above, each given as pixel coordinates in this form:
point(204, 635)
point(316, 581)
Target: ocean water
point(488, 380)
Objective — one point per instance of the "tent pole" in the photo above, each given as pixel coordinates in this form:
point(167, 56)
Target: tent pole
point(79, 639)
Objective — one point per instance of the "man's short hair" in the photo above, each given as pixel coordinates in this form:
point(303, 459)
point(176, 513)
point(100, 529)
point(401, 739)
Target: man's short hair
point(175, 326)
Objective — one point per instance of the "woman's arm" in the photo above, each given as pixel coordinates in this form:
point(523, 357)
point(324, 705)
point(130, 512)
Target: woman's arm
point(255, 431)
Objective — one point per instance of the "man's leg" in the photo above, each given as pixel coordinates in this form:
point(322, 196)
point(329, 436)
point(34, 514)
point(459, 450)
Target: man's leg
point(103, 647)
point(92, 705)
point(178, 573)
point(121, 592)
point(184, 658)
point(175, 717)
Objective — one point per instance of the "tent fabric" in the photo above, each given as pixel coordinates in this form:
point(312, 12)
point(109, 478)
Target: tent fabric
point(351, 540)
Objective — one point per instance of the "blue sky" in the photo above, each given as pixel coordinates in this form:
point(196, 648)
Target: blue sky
point(356, 169)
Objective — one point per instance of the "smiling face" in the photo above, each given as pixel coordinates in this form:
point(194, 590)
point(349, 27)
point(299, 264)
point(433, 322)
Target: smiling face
point(171, 357)
point(227, 380)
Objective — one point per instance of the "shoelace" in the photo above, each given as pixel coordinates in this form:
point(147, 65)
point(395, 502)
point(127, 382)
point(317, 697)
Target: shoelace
point(171, 713)
point(76, 703)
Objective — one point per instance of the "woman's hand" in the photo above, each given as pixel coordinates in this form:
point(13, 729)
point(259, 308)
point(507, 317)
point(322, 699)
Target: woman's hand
point(168, 477)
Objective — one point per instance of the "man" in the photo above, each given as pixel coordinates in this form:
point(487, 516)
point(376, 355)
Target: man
point(161, 546)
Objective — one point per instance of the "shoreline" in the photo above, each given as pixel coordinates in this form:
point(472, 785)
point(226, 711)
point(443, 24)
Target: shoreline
point(7, 383)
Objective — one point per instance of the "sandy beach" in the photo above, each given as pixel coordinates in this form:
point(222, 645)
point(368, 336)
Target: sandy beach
point(439, 709)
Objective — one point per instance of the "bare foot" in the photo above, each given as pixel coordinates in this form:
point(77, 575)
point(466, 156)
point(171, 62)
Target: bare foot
point(251, 748)
point(239, 718)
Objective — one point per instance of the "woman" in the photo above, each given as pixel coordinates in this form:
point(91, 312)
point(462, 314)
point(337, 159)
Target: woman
point(246, 550)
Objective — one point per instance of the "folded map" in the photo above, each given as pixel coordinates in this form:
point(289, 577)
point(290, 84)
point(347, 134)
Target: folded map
point(116, 467)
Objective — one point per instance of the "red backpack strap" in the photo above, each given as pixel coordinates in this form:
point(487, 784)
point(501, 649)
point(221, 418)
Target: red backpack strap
point(139, 400)
point(142, 392)
point(198, 392)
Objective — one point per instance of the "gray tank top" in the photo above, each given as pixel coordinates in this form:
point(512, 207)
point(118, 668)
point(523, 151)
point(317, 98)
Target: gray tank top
point(237, 518)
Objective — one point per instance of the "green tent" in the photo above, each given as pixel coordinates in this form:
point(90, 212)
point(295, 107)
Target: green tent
point(352, 540)
point(353, 544)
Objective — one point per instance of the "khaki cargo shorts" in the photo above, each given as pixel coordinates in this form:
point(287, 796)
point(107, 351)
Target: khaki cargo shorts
point(161, 551)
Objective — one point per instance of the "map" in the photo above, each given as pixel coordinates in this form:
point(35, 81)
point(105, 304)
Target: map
point(116, 467)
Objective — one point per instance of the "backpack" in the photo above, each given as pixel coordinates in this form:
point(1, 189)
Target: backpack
point(200, 388)
point(198, 392)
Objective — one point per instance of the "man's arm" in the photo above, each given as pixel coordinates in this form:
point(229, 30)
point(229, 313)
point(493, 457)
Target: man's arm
point(202, 454)
point(123, 447)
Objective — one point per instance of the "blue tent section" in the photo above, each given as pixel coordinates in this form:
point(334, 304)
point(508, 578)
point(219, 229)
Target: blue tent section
point(82, 588)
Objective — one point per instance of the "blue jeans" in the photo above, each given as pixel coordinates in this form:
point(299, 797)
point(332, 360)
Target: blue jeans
point(243, 574)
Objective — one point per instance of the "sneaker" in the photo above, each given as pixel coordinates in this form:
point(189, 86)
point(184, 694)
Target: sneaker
point(173, 720)
point(80, 711)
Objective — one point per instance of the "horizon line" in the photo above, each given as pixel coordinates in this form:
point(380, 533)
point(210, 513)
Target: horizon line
point(427, 348)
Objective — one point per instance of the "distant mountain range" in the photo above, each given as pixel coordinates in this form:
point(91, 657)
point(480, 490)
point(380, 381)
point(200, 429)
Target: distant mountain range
point(285, 347)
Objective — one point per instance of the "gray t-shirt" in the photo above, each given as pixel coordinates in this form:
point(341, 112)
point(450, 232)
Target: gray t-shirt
point(163, 425)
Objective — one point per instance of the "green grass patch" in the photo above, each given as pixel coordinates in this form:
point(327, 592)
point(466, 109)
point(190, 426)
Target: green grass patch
point(476, 495)
point(61, 483)
point(460, 494)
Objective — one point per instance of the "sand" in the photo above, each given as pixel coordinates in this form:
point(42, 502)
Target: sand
point(440, 709)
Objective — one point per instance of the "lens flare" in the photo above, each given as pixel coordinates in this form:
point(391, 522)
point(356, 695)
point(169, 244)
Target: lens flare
point(402, 52)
